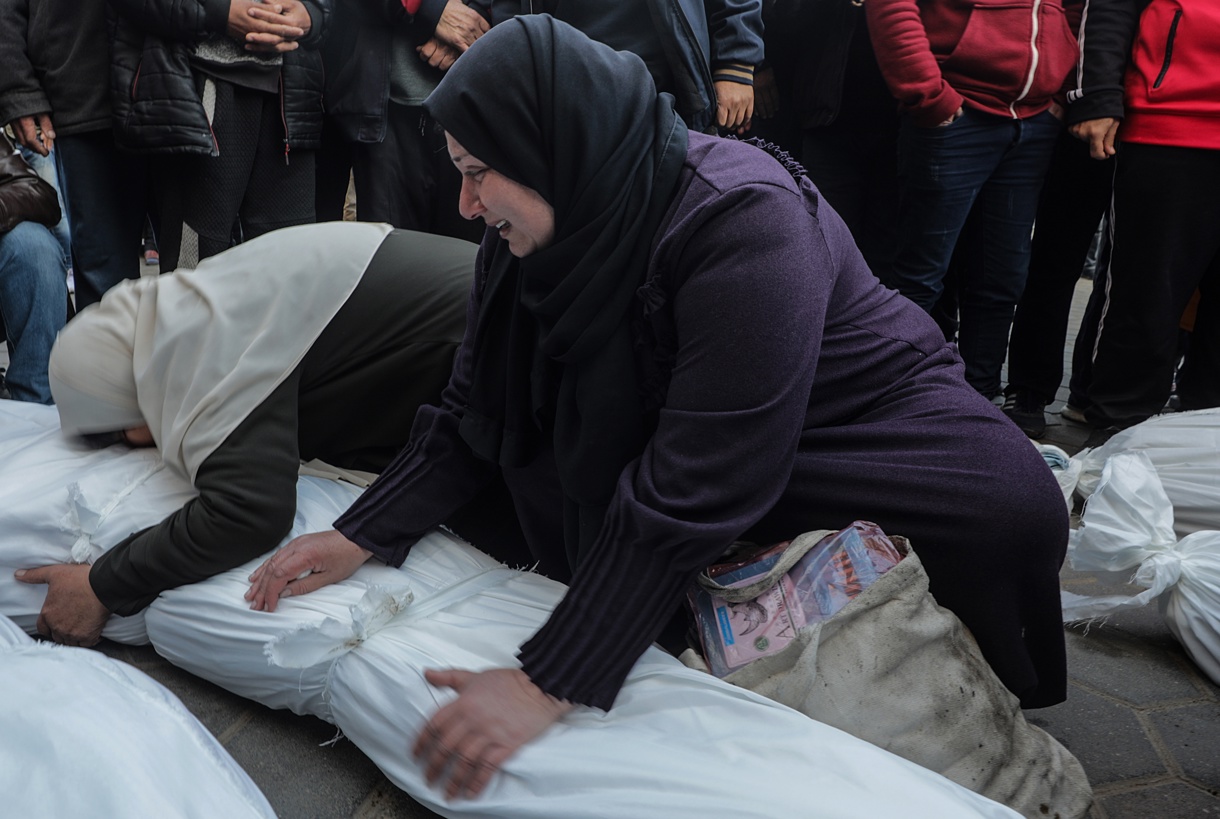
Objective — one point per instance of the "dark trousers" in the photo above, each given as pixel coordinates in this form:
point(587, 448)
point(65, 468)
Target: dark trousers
point(996, 167)
point(1073, 201)
point(252, 187)
point(104, 190)
point(852, 162)
point(1165, 244)
point(1086, 335)
point(407, 179)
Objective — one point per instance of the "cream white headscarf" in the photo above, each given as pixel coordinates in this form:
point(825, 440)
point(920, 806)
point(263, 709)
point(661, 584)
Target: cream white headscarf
point(193, 352)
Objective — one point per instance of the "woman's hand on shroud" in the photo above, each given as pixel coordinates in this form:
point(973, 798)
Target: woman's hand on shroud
point(496, 712)
point(307, 563)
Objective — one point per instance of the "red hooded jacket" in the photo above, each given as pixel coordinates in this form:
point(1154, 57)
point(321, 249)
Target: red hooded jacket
point(1005, 57)
point(1173, 80)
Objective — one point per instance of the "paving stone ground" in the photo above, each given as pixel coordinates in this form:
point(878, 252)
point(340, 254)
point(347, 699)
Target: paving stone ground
point(1140, 716)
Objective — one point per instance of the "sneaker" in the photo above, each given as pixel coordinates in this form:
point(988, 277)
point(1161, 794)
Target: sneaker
point(1025, 410)
point(1075, 414)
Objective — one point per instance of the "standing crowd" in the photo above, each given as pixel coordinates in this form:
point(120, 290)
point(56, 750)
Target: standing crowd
point(946, 134)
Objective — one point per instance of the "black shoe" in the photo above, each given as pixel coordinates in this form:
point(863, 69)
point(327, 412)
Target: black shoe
point(1026, 410)
point(1099, 436)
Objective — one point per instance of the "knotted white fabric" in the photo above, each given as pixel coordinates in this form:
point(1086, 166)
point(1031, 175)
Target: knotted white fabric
point(1128, 524)
point(1184, 447)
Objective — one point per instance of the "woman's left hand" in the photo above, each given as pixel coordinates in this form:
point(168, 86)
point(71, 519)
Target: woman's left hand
point(496, 712)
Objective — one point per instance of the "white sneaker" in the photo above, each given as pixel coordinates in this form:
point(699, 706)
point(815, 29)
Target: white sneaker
point(1073, 414)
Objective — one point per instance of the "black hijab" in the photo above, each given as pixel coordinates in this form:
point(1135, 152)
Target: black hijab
point(583, 125)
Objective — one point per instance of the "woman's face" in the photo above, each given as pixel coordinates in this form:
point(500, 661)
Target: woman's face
point(522, 216)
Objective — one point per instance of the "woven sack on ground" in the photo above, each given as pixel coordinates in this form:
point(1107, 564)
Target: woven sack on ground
point(894, 668)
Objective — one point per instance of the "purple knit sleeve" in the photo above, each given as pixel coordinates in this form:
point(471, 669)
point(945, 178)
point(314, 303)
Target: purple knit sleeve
point(757, 281)
point(434, 475)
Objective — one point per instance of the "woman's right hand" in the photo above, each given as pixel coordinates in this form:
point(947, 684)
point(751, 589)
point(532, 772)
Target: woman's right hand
point(306, 564)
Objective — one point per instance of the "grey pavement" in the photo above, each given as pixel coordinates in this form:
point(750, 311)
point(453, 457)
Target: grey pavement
point(1140, 716)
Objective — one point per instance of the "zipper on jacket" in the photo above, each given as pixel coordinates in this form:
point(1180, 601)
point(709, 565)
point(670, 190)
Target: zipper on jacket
point(284, 117)
point(1033, 61)
point(1173, 33)
point(135, 81)
point(701, 66)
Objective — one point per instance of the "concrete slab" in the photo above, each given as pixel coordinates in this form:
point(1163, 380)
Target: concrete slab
point(1190, 737)
point(1105, 736)
point(1172, 801)
point(301, 772)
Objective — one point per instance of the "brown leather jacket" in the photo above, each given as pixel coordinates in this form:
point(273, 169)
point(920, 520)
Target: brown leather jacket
point(24, 196)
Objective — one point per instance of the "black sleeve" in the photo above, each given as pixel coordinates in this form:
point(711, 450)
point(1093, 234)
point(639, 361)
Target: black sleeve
point(246, 504)
point(1107, 29)
point(319, 21)
point(435, 474)
point(21, 94)
point(189, 22)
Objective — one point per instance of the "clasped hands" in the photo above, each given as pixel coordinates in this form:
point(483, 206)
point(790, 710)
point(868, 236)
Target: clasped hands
point(466, 741)
point(268, 27)
point(456, 31)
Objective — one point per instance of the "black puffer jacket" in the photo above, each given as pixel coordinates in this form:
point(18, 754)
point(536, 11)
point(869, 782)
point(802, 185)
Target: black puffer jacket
point(155, 94)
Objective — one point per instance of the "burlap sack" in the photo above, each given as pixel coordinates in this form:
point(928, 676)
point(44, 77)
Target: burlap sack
point(895, 669)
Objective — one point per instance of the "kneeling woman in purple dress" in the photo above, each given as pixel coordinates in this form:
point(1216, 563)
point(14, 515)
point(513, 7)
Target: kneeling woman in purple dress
point(674, 344)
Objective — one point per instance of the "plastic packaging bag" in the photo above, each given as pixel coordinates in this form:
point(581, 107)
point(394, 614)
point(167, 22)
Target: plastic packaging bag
point(736, 631)
point(1128, 524)
point(1067, 470)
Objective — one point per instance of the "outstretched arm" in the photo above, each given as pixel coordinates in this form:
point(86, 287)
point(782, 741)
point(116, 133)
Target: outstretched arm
point(246, 504)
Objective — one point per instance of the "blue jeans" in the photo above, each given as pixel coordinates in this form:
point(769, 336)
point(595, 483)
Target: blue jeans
point(47, 169)
point(34, 305)
point(991, 165)
point(104, 191)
